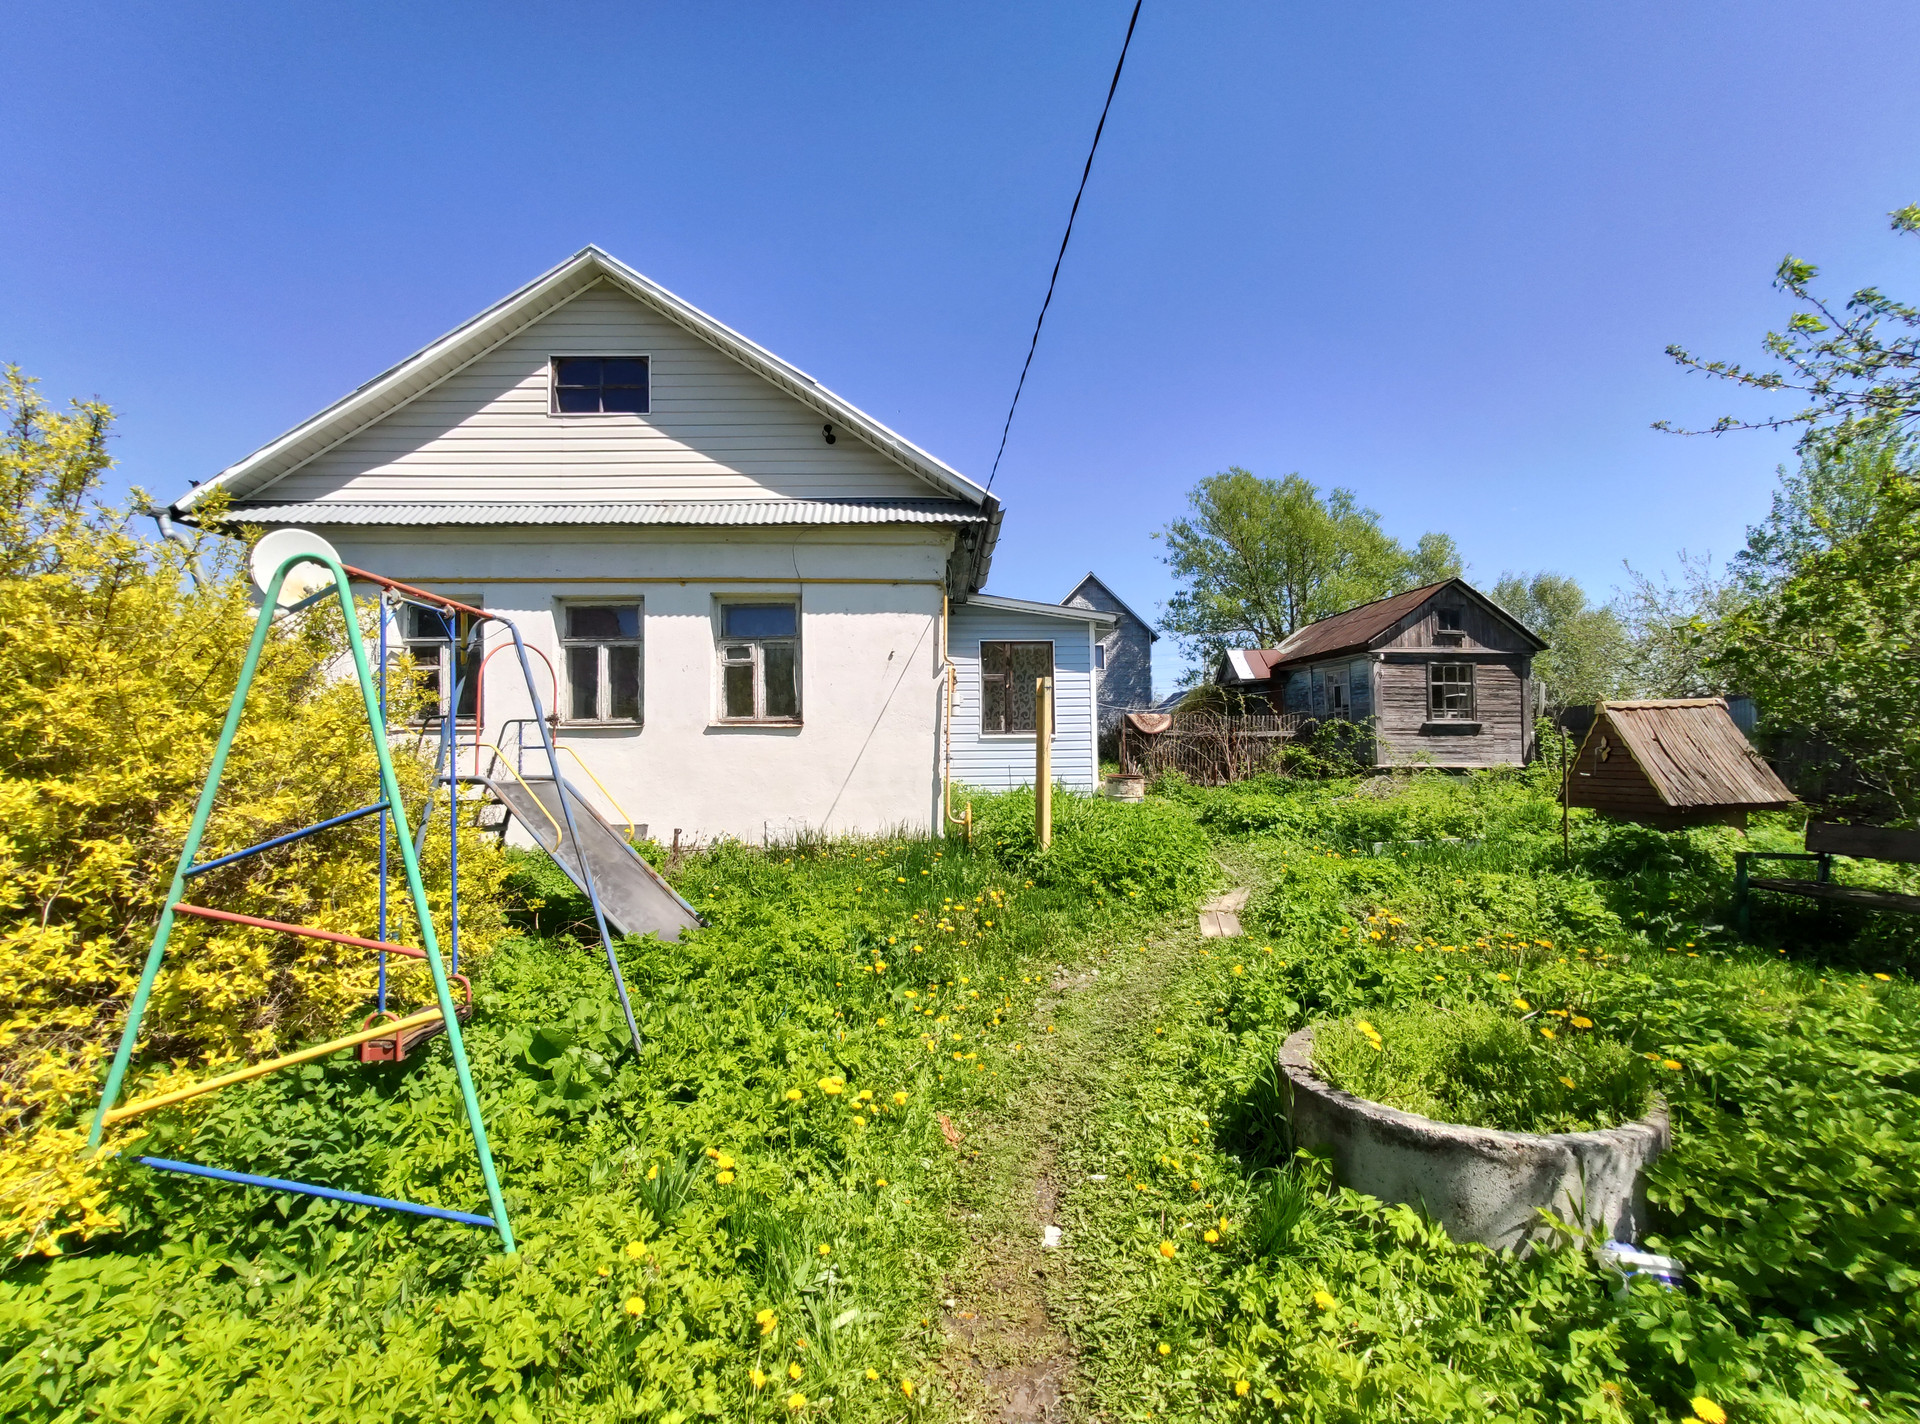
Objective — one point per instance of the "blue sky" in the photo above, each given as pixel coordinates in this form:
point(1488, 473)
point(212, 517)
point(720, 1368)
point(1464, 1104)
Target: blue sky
point(1432, 253)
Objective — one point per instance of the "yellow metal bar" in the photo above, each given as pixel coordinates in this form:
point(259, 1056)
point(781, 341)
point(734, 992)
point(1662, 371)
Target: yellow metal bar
point(619, 810)
point(260, 1070)
point(501, 757)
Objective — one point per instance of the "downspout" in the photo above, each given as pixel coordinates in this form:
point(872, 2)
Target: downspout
point(163, 518)
point(946, 730)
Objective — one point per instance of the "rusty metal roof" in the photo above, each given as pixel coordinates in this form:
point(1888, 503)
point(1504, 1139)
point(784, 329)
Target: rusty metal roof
point(1692, 753)
point(1355, 631)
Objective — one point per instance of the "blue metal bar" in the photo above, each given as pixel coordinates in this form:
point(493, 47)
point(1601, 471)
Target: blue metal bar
point(383, 814)
point(291, 836)
point(573, 833)
point(307, 1189)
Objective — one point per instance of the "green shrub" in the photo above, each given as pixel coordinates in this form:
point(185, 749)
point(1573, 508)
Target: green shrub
point(1483, 1066)
point(1150, 854)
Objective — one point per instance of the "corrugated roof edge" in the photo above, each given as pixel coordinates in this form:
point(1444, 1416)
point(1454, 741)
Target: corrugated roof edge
point(1044, 610)
point(662, 512)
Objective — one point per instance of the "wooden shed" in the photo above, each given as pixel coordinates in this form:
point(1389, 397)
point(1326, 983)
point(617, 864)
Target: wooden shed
point(1676, 762)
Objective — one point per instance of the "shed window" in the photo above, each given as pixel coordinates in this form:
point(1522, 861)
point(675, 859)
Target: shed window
point(759, 662)
point(1099, 656)
point(601, 385)
point(1450, 691)
point(1448, 620)
point(428, 636)
point(1009, 674)
point(602, 646)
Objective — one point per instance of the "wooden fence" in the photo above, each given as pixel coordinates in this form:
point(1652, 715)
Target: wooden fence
point(1211, 747)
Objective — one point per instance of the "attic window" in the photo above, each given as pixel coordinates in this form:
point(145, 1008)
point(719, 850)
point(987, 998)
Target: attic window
point(1448, 620)
point(601, 385)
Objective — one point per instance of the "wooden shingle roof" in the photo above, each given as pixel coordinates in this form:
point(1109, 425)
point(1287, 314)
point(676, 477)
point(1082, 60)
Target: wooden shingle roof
point(1692, 753)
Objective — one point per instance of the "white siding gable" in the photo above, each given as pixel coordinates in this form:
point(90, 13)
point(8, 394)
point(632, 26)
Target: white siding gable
point(716, 430)
point(996, 762)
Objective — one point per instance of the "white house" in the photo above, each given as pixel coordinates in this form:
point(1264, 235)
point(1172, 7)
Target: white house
point(754, 602)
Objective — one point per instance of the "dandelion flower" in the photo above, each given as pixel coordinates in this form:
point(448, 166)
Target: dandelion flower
point(879, 1181)
point(865, 1095)
point(724, 1178)
point(635, 1305)
point(873, 1374)
point(1165, 1348)
point(604, 1271)
point(724, 1162)
point(1706, 1410)
point(653, 1171)
point(1167, 1248)
point(794, 1370)
point(758, 1377)
point(1521, 1004)
point(899, 1100)
point(1324, 1301)
point(794, 1095)
point(1211, 1237)
point(833, 1087)
point(906, 1388)
point(1884, 978)
point(1568, 1081)
point(1240, 1388)
point(635, 1250)
point(1581, 1021)
point(1194, 1185)
point(1670, 1063)
point(796, 1402)
point(1504, 978)
point(825, 1249)
point(1548, 1033)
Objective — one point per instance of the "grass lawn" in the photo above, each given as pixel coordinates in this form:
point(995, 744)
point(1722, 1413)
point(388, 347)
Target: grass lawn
point(887, 1067)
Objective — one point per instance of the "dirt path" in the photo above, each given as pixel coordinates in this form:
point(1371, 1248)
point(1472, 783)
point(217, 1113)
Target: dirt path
point(1006, 1359)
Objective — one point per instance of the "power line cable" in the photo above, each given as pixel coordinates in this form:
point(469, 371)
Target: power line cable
point(1066, 237)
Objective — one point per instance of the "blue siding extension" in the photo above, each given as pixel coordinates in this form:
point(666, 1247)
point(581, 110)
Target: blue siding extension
point(998, 762)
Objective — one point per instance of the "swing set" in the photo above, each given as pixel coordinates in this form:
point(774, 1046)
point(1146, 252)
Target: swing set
point(296, 570)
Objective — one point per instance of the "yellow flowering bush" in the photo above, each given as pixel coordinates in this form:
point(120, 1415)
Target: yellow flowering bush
point(115, 672)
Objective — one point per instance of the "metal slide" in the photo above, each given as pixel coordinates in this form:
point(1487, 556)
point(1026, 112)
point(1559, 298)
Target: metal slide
point(634, 897)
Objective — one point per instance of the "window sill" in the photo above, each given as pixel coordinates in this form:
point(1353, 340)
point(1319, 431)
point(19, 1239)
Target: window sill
point(755, 724)
point(1460, 725)
point(598, 726)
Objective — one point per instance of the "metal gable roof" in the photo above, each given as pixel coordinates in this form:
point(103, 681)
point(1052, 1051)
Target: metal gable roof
point(439, 359)
point(669, 512)
point(1356, 630)
point(1044, 610)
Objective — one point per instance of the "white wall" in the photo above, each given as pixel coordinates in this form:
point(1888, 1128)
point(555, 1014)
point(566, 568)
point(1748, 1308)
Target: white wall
point(866, 757)
point(1002, 761)
point(716, 430)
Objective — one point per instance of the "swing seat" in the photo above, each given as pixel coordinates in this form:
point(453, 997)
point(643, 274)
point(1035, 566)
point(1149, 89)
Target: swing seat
point(395, 1047)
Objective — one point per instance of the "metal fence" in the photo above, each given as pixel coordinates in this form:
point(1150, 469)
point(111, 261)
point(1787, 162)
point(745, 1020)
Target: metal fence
point(1211, 747)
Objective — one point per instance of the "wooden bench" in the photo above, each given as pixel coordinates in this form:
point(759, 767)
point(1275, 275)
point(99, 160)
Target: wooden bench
point(1825, 840)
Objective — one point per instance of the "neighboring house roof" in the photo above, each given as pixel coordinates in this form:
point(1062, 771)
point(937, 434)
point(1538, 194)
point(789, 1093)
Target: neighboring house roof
point(1152, 636)
point(440, 359)
point(1044, 610)
point(688, 512)
point(1354, 631)
point(1175, 698)
point(1692, 753)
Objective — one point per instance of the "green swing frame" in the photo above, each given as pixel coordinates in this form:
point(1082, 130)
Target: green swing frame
point(430, 946)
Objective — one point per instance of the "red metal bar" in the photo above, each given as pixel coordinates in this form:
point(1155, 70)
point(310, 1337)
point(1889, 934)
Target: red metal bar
point(303, 931)
point(411, 592)
point(308, 932)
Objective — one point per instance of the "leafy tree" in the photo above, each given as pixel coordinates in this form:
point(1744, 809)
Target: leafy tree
point(1833, 653)
point(1675, 630)
point(1258, 558)
point(114, 680)
point(1830, 498)
point(1587, 650)
point(1857, 368)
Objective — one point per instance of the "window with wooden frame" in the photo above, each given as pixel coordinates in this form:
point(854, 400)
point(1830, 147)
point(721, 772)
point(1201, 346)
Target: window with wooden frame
point(1009, 677)
point(601, 645)
point(601, 385)
point(424, 632)
point(760, 662)
point(1449, 692)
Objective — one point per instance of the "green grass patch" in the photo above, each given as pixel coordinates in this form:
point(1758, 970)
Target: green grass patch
point(1516, 1068)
